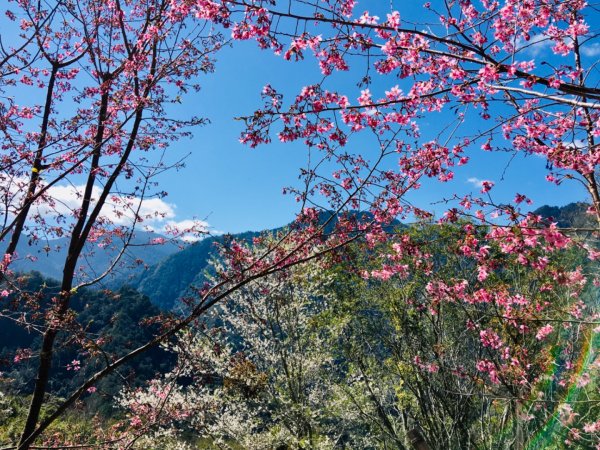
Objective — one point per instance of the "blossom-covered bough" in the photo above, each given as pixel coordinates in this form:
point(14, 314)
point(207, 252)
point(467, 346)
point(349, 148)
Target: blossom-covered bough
point(76, 163)
point(475, 65)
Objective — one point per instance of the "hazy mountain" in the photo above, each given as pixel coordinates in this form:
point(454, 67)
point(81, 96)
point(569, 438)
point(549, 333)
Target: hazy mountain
point(170, 279)
point(47, 257)
point(164, 273)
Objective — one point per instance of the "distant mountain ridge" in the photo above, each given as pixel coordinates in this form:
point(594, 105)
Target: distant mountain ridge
point(170, 279)
point(47, 257)
point(168, 270)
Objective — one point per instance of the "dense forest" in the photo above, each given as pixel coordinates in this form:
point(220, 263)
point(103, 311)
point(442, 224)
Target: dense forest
point(414, 299)
point(320, 357)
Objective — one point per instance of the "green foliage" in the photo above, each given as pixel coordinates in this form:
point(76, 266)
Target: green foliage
point(414, 356)
point(321, 357)
point(75, 426)
point(105, 325)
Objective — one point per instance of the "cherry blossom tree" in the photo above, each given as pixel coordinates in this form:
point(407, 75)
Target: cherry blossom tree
point(474, 65)
point(468, 62)
point(107, 72)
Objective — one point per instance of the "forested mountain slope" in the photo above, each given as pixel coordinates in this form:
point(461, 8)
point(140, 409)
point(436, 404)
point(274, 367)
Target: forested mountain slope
point(170, 278)
point(47, 256)
point(105, 325)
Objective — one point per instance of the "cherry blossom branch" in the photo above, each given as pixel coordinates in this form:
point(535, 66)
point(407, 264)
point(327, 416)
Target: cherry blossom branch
point(545, 96)
point(566, 87)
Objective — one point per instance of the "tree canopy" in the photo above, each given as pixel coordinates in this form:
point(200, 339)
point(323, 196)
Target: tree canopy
point(89, 92)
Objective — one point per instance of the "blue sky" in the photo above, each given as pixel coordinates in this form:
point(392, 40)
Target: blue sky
point(236, 188)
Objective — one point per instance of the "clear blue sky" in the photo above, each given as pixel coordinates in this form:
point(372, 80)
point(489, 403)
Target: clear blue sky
point(236, 188)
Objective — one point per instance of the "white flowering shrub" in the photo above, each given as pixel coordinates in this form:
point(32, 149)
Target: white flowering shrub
point(255, 373)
